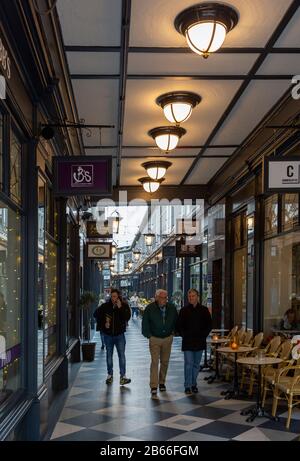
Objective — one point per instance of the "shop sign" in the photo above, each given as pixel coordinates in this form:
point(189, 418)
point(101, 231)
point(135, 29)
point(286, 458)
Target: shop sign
point(92, 230)
point(185, 250)
point(99, 251)
point(4, 61)
point(84, 175)
point(169, 252)
point(282, 175)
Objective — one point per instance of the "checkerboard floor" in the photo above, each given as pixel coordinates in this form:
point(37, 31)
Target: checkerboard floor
point(95, 411)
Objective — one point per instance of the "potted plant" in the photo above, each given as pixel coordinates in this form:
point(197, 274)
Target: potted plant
point(88, 348)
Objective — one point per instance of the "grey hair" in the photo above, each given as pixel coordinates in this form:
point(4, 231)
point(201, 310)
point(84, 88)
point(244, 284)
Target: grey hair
point(160, 291)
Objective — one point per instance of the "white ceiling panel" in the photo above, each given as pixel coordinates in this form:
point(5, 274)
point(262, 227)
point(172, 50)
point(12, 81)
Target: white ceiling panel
point(182, 64)
point(145, 153)
point(291, 35)
point(90, 22)
point(152, 22)
point(93, 63)
point(280, 64)
point(205, 169)
point(132, 170)
point(257, 100)
point(101, 152)
point(97, 103)
point(211, 151)
point(142, 113)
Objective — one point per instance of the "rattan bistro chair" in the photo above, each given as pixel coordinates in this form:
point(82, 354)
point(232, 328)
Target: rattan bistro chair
point(256, 343)
point(288, 388)
point(270, 351)
point(270, 373)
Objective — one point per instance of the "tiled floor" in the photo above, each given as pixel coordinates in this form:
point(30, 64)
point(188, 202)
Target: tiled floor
point(95, 411)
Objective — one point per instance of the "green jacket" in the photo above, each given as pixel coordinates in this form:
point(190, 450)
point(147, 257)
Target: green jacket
point(153, 324)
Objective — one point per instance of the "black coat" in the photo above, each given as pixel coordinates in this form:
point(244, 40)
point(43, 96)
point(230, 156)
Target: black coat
point(117, 318)
point(194, 325)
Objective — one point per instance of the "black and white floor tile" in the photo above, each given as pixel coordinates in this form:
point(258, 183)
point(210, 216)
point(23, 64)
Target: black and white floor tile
point(95, 411)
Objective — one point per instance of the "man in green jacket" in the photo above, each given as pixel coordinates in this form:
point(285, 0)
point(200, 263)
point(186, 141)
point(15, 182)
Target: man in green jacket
point(158, 325)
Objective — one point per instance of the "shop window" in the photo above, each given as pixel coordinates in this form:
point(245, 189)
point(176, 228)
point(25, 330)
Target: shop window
point(282, 283)
point(290, 211)
point(50, 299)
point(271, 215)
point(1, 151)
point(15, 168)
point(10, 302)
point(195, 277)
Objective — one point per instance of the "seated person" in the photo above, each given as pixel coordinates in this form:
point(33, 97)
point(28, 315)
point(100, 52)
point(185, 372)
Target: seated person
point(289, 321)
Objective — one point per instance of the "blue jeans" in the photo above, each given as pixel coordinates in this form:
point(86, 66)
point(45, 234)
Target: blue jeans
point(102, 339)
point(135, 311)
point(192, 361)
point(119, 342)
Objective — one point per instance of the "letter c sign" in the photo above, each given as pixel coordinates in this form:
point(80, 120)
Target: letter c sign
point(290, 171)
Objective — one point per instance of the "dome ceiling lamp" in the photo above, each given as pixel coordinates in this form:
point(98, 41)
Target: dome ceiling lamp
point(156, 169)
point(167, 137)
point(150, 185)
point(205, 26)
point(178, 105)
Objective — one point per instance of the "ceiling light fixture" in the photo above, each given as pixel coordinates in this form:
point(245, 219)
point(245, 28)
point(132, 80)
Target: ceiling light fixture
point(136, 254)
point(205, 26)
point(178, 106)
point(167, 137)
point(150, 185)
point(156, 169)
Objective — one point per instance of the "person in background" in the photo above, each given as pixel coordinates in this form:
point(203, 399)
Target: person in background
point(96, 316)
point(158, 325)
point(112, 318)
point(289, 321)
point(134, 303)
point(194, 324)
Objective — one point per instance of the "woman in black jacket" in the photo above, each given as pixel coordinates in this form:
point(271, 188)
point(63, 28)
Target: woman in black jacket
point(194, 324)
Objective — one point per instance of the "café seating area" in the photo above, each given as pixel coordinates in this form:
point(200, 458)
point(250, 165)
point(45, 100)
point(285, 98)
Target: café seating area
point(279, 381)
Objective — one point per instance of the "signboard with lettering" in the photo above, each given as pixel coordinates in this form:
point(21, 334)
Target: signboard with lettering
point(84, 175)
point(99, 250)
point(92, 230)
point(282, 174)
point(183, 250)
point(169, 252)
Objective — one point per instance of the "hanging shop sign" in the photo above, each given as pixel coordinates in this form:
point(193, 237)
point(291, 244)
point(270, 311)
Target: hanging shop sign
point(92, 230)
point(184, 250)
point(99, 250)
point(84, 175)
point(5, 65)
point(282, 175)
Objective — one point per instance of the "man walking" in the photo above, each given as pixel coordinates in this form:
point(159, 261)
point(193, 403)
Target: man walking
point(112, 320)
point(158, 325)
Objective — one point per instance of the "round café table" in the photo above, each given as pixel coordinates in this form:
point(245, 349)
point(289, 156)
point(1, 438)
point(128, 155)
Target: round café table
point(258, 409)
point(216, 342)
point(234, 392)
